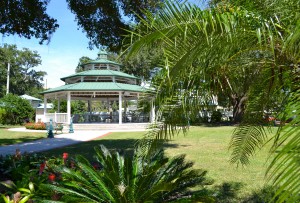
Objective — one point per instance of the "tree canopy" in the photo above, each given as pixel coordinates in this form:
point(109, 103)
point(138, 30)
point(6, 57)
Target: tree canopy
point(27, 18)
point(23, 77)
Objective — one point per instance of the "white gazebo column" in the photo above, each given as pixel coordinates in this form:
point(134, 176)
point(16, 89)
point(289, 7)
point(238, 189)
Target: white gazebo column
point(45, 108)
point(58, 106)
point(152, 112)
point(69, 107)
point(120, 107)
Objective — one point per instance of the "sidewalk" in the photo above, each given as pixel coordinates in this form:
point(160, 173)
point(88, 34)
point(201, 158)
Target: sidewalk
point(59, 140)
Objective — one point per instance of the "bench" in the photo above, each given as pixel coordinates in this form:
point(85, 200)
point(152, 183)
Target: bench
point(56, 126)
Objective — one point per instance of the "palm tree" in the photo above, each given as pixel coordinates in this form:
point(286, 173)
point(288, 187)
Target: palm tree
point(154, 178)
point(246, 49)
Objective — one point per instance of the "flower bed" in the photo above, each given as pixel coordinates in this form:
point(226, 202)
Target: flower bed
point(35, 126)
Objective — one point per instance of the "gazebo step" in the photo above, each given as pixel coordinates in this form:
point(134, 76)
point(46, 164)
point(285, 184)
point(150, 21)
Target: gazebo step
point(110, 126)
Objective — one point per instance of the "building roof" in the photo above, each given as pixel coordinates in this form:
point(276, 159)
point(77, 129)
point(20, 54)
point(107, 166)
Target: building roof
point(96, 86)
point(25, 96)
point(100, 73)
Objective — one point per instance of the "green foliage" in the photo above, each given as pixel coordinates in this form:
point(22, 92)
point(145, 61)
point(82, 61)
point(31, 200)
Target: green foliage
point(2, 115)
point(227, 192)
point(143, 63)
point(248, 50)
point(128, 179)
point(17, 110)
point(22, 64)
point(27, 19)
point(216, 117)
point(82, 60)
point(76, 106)
point(266, 194)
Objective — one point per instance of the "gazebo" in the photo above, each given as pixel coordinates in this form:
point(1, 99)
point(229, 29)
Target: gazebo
point(101, 80)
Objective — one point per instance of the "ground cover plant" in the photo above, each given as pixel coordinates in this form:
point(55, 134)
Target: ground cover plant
point(112, 177)
point(13, 137)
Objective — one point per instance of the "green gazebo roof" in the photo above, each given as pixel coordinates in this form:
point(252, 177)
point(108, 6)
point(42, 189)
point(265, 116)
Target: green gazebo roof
point(102, 61)
point(100, 73)
point(96, 86)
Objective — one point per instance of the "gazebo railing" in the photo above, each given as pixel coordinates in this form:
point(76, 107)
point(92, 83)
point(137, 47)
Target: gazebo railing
point(109, 118)
point(57, 117)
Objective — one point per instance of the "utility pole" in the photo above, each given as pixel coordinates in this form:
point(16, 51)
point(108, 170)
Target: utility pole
point(8, 73)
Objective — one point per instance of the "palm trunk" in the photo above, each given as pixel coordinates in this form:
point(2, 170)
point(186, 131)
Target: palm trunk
point(238, 108)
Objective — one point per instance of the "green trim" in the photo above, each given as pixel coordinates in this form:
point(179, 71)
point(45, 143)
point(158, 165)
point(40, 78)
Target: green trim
point(101, 61)
point(100, 73)
point(96, 86)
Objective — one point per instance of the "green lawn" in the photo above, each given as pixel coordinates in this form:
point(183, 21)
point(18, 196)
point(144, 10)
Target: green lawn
point(12, 137)
point(207, 147)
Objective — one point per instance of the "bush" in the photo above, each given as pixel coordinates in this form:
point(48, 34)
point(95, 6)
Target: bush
point(128, 179)
point(216, 117)
point(39, 126)
point(35, 126)
point(29, 125)
point(2, 115)
point(16, 110)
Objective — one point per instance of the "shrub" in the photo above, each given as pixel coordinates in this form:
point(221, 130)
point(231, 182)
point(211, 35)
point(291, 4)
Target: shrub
point(29, 125)
point(128, 179)
point(216, 117)
point(35, 126)
point(39, 126)
point(16, 110)
point(2, 115)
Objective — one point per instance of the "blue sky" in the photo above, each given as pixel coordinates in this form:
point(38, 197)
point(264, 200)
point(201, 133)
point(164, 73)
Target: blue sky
point(68, 44)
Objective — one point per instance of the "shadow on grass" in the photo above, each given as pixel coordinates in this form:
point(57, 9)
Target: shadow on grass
point(5, 142)
point(86, 149)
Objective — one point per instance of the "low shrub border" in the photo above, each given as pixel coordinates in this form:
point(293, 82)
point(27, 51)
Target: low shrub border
point(35, 126)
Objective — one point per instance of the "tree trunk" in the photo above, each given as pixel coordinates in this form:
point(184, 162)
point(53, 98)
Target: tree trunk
point(238, 108)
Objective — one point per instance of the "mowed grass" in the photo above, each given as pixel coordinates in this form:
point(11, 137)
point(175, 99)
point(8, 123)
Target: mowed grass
point(207, 147)
point(12, 137)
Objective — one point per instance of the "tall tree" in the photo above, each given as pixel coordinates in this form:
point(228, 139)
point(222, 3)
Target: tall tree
point(82, 60)
point(27, 18)
point(22, 64)
point(240, 41)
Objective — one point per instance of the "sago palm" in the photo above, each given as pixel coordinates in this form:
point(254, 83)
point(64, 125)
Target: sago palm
point(128, 179)
point(237, 47)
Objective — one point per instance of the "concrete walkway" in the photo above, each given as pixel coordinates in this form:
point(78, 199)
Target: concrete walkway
point(59, 140)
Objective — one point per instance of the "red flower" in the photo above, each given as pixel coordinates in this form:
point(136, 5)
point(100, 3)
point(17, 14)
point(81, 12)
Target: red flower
point(51, 177)
point(42, 167)
point(65, 156)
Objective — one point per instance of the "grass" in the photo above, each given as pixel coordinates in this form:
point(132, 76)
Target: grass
point(12, 137)
point(207, 147)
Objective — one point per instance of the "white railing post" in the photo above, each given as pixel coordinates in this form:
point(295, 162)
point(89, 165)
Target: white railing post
point(69, 107)
point(120, 107)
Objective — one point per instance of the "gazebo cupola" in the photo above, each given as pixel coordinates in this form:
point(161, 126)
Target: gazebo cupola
point(101, 63)
point(102, 55)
